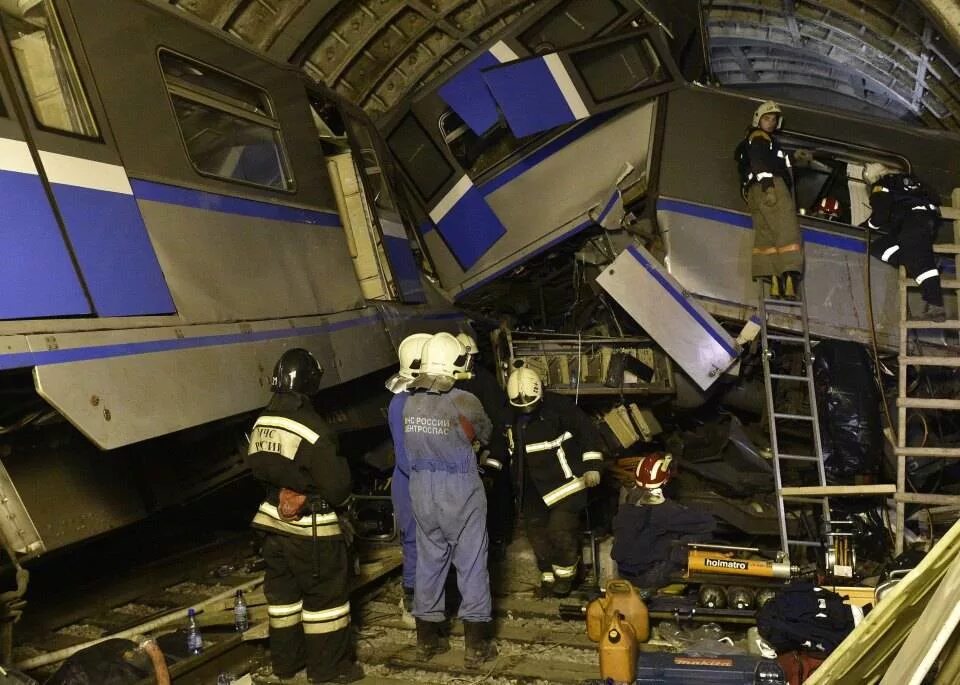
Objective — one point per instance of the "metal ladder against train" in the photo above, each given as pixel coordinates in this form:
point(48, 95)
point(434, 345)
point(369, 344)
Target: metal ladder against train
point(810, 494)
point(904, 402)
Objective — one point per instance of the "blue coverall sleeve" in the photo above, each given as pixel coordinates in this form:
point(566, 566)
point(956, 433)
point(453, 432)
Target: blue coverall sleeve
point(470, 408)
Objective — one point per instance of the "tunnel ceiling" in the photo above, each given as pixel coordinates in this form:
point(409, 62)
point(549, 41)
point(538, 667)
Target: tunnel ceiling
point(896, 57)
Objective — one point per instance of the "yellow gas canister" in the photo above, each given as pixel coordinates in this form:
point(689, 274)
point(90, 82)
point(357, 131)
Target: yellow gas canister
point(621, 597)
point(618, 652)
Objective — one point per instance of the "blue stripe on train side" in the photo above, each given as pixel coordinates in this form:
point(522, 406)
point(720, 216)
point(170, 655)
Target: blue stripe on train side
point(76, 354)
point(37, 276)
point(470, 228)
point(741, 220)
point(518, 85)
point(118, 262)
point(201, 199)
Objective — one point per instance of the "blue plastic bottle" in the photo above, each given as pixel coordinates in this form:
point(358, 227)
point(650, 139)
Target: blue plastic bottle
point(194, 638)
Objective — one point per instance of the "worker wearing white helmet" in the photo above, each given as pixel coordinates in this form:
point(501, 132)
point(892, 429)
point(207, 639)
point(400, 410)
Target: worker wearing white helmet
point(766, 182)
point(441, 424)
point(408, 353)
point(559, 453)
point(907, 214)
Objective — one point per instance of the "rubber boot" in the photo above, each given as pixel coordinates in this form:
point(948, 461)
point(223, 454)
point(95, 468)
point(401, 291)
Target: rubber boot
point(428, 640)
point(479, 644)
point(562, 587)
point(775, 287)
point(933, 312)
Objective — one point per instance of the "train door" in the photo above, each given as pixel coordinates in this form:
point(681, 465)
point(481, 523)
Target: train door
point(38, 277)
point(78, 163)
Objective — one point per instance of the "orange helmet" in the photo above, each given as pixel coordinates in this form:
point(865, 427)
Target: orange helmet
point(653, 471)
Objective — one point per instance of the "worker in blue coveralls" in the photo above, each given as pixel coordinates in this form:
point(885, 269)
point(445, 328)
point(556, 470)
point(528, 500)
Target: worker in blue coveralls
point(409, 357)
point(441, 423)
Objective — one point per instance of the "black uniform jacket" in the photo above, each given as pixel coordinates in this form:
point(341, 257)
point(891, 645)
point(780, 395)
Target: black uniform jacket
point(559, 445)
point(760, 159)
point(292, 447)
point(896, 196)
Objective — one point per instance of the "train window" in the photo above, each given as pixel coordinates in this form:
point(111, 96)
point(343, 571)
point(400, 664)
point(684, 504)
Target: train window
point(46, 68)
point(573, 22)
point(370, 165)
point(827, 177)
point(420, 158)
point(229, 127)
point(477, 154)
point(617, 68)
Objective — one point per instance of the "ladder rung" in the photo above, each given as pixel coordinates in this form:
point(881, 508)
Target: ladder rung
point(798, 457)
point(838, 490)
point(944, 282)
point(904, 325)
point(790, 338)
point(944, 452)
point(797, 417)
point(931, 361)
point(787, 303)
point(804, 543)
point(927, 403)
point(788, 377)
point(947, 248)
point(927, 498)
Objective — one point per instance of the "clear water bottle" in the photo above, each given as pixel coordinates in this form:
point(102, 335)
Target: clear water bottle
point(241, 618)
point(194, 638)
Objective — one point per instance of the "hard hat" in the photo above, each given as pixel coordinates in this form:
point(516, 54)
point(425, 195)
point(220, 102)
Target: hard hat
point(873, 171)
point(768, 107)
point(443, 355)
point(653, 471)
point(830, 206)
point(524, 388)
point(297, 371)
point(409, 353)
point(468, 342)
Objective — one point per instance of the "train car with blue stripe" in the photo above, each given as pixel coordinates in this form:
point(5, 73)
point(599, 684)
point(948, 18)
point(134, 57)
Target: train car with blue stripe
point(585, 129)
point(176, 212)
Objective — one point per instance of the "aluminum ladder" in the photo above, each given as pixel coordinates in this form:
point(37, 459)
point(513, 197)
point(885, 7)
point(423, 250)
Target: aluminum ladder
point(904, 402)
point(805, 494)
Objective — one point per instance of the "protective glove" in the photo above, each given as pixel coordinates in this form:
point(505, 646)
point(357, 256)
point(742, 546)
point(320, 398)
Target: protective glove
point(769, 197)
point(591, 479)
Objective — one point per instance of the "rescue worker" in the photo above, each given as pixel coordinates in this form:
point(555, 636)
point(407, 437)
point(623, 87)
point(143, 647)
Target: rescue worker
point(441, 424)
point(408, 353)
point(560, 456)
point(651, 532)
point(294, 454)
point(495, 460)
point(766, 183)
point(909, 213)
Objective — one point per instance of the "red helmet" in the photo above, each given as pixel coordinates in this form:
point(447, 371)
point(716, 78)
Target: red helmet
point(830, 206)
point(653, 471)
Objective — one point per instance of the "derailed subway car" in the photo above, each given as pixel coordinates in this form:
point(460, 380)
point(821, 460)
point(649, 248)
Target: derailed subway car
point(173, 221)
point(523, 159)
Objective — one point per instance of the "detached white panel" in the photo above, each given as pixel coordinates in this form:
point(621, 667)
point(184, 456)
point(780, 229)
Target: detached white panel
point(685, 330)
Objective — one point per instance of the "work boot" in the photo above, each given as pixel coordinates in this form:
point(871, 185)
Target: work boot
point(545, 591)
point(790, 286)
point(347, 672)
point(562, 587)
point(406, 606)
point(429, 643)
point(933, 312)
point(775, 287)
point(479, 644)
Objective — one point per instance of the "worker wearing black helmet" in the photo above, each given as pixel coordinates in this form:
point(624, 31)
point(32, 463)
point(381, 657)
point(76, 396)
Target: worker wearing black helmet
point(295, 455)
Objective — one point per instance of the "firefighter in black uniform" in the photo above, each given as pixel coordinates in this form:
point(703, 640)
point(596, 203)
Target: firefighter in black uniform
point(495, 461)
point(560, 453)
point(294, 454)
point(765, 183)
point(909, 213)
